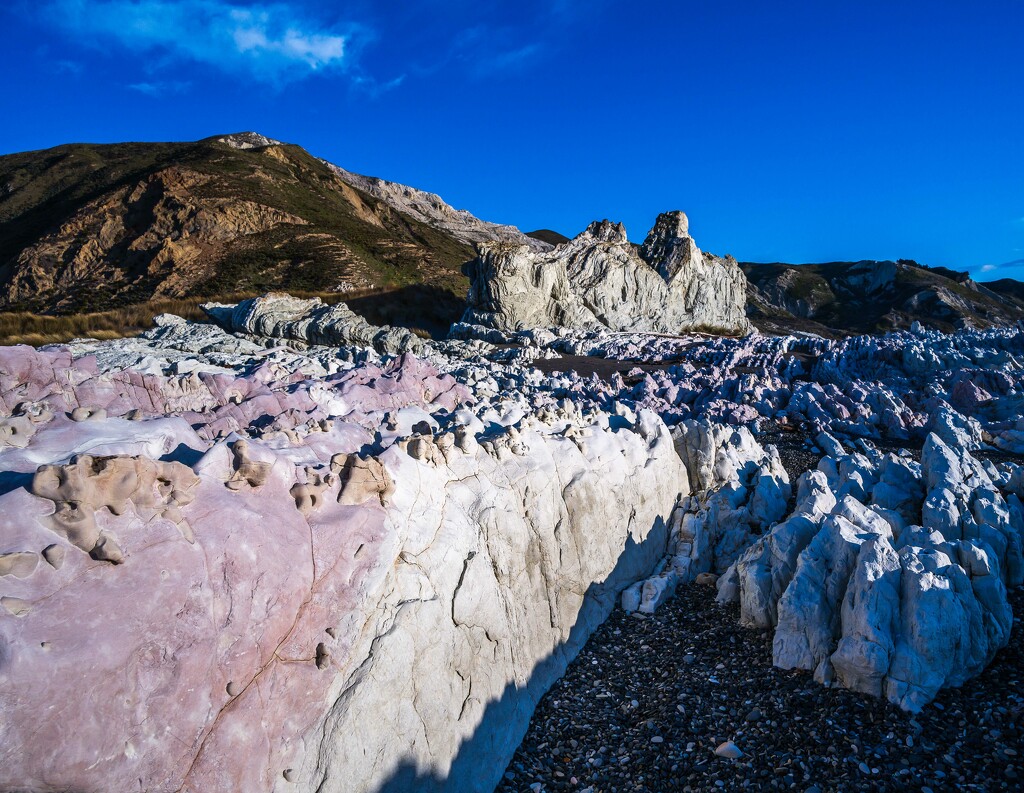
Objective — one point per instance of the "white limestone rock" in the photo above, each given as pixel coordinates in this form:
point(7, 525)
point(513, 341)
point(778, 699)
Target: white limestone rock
point(281, 316)
point(600, 280)
point(740, 491)
point(866, 598)
point(808, 611)
point(767, 567)
point(716, 453)
point(389, 593)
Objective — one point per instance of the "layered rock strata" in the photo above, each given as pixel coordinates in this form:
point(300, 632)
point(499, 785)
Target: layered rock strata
point(601, 280)
point(281, 316)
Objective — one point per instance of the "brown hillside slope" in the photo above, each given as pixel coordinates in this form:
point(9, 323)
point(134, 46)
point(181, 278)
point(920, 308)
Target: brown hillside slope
point(94, 227)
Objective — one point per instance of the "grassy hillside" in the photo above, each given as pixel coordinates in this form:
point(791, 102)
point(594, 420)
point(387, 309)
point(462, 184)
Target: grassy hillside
point(93, 228)
point(867, 297)
point(425, 309)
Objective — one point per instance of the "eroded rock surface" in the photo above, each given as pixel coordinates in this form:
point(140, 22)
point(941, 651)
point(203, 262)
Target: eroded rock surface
point(890, 576)
point(337, 567)
point(264, 582)
point(281, 316)
point(600, 280)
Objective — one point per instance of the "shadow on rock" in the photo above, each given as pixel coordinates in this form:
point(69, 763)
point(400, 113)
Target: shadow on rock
point(482, 759)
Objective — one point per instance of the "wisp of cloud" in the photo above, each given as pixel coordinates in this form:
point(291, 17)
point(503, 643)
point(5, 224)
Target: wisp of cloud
point(273, 42)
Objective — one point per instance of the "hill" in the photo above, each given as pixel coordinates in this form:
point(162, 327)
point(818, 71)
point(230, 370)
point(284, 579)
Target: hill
point(548, 236)
point(113, 233)
point(97, 227)
point(837, 298)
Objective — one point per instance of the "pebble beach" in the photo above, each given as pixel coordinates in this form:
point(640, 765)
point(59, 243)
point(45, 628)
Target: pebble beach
point(687, 700)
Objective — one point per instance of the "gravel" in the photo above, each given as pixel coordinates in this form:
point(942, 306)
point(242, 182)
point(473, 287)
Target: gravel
point(795, 450)
point(649, 700)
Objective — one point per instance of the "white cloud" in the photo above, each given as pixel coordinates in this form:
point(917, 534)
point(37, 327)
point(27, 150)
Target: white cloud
point(161, 88)
point(67, 67)
point(509, 60)
point(1016, 264)
point(273, 42)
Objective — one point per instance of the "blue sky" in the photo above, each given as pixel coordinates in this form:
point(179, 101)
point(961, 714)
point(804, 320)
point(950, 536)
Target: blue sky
point(787, 131)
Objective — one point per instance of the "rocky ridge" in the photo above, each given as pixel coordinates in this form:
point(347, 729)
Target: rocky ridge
point(599, 280)
point(415, 558)
point(95, 227)
point(431, 209)
point(87, 228)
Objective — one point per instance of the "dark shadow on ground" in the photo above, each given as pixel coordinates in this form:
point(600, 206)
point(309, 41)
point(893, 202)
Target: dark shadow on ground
point(483, 758)
point(420, 306)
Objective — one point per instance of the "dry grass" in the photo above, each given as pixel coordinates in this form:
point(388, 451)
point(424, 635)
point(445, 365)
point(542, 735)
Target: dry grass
point(23, 327)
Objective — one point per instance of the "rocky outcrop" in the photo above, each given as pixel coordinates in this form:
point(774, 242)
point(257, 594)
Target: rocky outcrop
point(248, 140)
point(433, 210)
point(890, 577)
point(897, 387)
point(281, 316)
point(228, 562)
point(600, 280)
point(163, 228)
point(740, 492)
point(261, 581)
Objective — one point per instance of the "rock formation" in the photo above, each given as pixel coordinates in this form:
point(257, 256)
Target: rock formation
point(281, 316)
point(600, 280)
point(228, 561)
point(890, 577)
point(433, 210)
point(375, 578)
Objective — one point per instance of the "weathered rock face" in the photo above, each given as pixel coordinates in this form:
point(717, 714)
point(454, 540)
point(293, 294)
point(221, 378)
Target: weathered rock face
point(281, 316)
point(890, 577)
point(600, 280)
point(163, 228)
point(233, 564)
point(373, 588)
point(740, 491)
point(433, 210)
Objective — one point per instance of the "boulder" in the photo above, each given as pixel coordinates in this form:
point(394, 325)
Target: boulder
point(281, 316)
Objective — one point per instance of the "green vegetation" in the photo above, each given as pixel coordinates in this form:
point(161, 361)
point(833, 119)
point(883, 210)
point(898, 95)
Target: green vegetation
point(810, 286)
point(25, 327)
point(344, 234)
